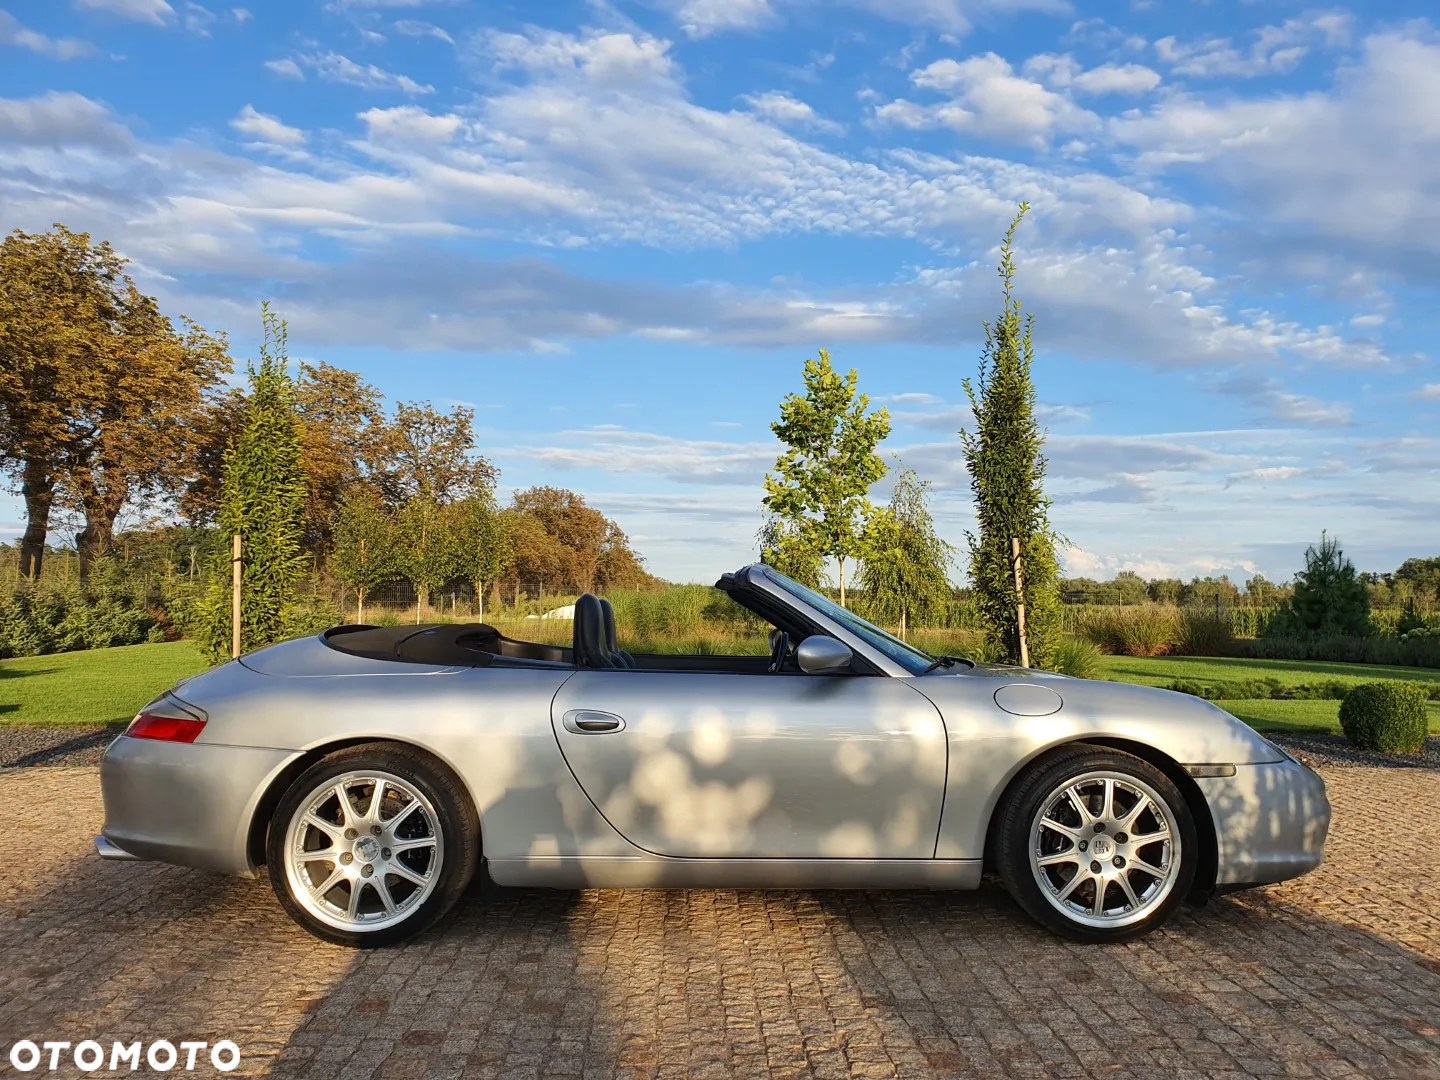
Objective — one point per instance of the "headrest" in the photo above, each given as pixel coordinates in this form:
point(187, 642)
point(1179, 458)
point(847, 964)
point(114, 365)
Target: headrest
point(589, 641)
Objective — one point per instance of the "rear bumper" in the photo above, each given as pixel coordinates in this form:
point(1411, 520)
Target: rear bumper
point(1270, 822)
point(190, 804)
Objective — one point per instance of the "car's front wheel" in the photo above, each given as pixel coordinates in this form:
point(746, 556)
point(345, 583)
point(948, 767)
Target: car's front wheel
point(371, 845)
point(1097, 844)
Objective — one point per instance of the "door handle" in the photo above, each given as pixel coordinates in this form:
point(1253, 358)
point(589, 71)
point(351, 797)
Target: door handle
point(591, 722)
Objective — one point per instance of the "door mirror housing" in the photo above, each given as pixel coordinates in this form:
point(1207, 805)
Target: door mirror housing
point(820, 654)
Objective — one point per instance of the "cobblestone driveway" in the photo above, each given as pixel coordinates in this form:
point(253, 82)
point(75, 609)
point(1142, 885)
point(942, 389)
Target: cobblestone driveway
point(1337, 974)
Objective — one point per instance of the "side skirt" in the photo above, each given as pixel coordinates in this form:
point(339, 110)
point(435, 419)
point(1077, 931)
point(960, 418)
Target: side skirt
point(657, 872)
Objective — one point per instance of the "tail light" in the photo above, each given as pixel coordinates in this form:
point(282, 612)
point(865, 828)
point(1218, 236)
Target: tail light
point(167, 721)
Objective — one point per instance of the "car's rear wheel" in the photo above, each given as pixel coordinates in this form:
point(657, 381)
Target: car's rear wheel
point(372, 844)
point(1097, 844)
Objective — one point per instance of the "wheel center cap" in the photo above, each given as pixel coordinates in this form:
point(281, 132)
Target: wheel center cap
point(366, 848)
point(1102, 847)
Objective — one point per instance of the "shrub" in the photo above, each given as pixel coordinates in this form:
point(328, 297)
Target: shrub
point(1385, 716)
point(1141, 630)
point(1076, 656)
point(1205, 633)
point(1415, 649)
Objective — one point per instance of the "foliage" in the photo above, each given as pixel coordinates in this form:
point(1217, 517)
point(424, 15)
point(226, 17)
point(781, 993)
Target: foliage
point(262, 499)
point(1076, 656)
point(1268, 686)
point(93, 615)
point(818, 491)
point(1143, 630)
point(791, 550)
point(343, 434)
point(425, 531)
point(427, 454)
point(904, 570)
point(1007, 470)
point(482, 546)
point(98, 392)
point(1329, 598)
point(367, 553)
point(1416, 649)
point(557, 539)
point(1204, 632)
point(1385, 716)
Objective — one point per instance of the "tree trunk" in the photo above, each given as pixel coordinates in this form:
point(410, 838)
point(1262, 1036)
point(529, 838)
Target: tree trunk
point(98, 536)
point(38, 489)
point(841, 560)
point(902, 624)
point(479, 600)
point(421, 595)
point(360, 604)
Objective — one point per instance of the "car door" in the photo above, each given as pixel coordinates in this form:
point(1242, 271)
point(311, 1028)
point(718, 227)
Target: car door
point(710, 765)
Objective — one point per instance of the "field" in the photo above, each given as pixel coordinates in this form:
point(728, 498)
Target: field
point(103, 686)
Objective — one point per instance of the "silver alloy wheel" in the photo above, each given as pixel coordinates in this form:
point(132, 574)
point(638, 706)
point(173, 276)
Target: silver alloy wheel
point(363, 851)
point(1105, 849)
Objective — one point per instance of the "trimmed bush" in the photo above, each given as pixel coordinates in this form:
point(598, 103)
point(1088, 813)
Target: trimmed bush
point(1413, 650)
point(1385, 716)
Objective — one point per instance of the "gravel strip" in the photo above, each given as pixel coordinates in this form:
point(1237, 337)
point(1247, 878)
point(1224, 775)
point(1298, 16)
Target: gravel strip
point(1332, 751)
point(21, 747)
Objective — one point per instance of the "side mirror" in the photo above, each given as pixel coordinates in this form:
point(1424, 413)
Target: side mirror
point(819, 654)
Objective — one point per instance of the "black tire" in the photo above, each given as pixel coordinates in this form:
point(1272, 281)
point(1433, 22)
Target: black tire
point(1034, 791)
point(458, 843)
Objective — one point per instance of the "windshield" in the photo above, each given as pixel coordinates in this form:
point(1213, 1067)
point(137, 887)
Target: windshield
point(910, 658)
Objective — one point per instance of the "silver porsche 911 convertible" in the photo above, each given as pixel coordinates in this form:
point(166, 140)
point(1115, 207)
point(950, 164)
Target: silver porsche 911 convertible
point(374, 770)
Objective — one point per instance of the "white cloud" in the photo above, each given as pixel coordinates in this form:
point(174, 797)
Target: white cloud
point(267, 129)
point(198, 19)
point(241, 15)
point(1428, 392)
point(335, 67)
point(415, 28)
point(954, 16)
point(13, 33)
point(286, 69)
point(1273, 401)
point(784, 109)
point(701, 18)
point(155, 12)
point(618, 451)
point(1117, 79)
point(1276, 50)
point(59, 119)
point(1062, 71)
point(988, 98)
point(1357, 164)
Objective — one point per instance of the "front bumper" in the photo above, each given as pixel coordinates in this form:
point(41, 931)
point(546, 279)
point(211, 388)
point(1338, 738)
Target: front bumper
point(185, 803)
point(1270, 822)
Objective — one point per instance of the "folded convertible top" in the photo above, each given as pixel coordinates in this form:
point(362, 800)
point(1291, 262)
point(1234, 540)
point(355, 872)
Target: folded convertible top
point(444, 644)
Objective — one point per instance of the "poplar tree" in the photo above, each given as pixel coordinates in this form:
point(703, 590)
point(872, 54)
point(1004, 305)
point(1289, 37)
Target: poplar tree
point(263, 499)
point(1007, 472)
point(818, 490)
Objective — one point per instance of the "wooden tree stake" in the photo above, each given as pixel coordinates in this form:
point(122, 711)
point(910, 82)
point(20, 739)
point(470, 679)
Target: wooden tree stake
point(1019, 600)
point(235, 596)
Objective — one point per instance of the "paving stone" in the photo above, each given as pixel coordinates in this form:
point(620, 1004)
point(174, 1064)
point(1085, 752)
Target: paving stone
point(1334, 975)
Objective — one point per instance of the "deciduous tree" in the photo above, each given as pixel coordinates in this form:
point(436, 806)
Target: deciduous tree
point(818, 489)
point(904, 574)
point(367, 551)
point(1007, 472)
point(482, 544)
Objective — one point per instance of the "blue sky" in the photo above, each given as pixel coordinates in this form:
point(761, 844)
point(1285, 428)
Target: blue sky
point(618, 229)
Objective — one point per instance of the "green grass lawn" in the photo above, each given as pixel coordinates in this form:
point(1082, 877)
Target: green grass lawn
point(1265, 714)
point(97, 686)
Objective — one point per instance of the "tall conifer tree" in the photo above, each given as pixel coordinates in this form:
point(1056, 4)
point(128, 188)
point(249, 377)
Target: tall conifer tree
point(262, 499)
point(1007, 471)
